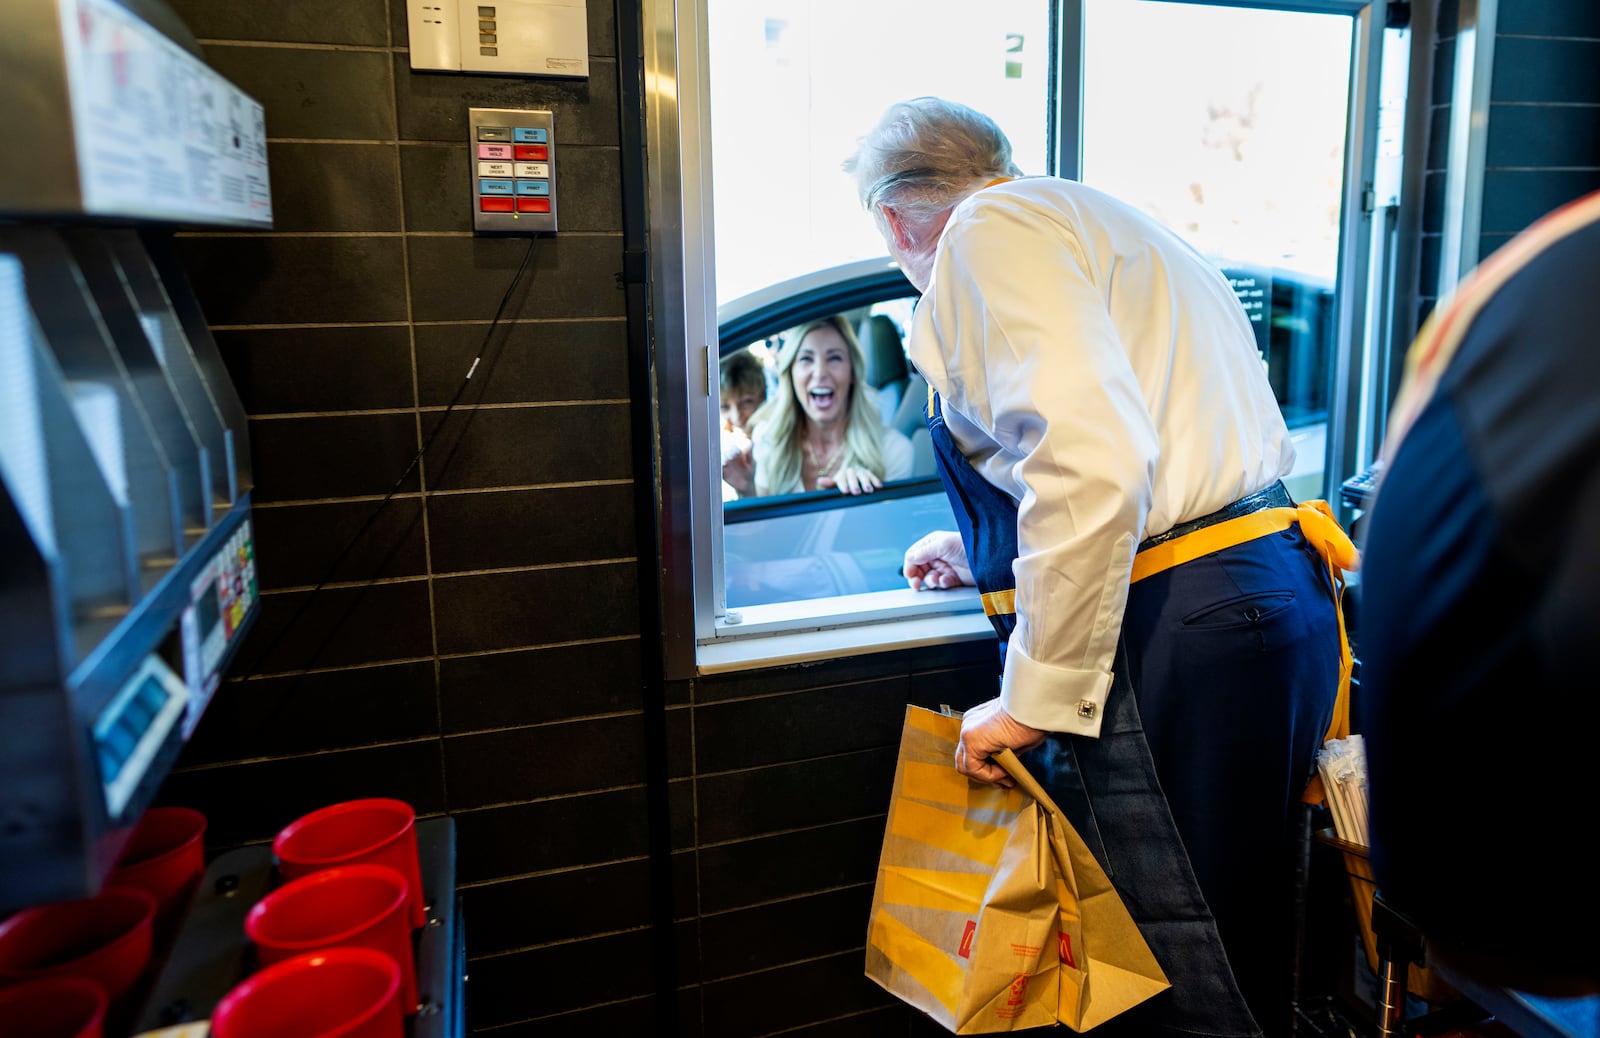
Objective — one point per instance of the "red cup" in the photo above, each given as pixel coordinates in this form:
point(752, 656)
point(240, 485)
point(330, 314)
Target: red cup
point(363, 906)
point(54, 1007)
point(165, 856)
point(106, 939)
point(338, 993)
point(376, 831)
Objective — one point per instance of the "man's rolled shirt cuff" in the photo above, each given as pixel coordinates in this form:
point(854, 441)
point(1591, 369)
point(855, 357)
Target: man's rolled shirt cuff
point(1053, 699)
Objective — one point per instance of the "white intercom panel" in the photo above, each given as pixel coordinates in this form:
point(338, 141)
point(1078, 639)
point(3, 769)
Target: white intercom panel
point(509, 37)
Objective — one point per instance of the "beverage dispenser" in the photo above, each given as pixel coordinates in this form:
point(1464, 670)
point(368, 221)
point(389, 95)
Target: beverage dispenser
point(128, 577)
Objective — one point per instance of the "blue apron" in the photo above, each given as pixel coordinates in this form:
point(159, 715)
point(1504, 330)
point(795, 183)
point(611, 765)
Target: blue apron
point(1109, 786)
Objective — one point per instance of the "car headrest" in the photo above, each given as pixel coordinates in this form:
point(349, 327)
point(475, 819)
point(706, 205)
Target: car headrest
point(885, 354)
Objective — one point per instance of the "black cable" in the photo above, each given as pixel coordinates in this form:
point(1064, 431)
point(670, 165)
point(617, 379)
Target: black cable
point(416, 459)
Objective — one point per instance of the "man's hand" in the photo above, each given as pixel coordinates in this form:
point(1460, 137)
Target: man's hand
point(937, 561)
point(987, 729)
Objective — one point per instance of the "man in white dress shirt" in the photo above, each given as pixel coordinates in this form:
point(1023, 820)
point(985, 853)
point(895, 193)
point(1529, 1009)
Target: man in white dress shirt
point(1169, 624)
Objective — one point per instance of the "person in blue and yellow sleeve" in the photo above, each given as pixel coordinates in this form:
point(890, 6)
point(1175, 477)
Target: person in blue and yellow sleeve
point(1480, 643)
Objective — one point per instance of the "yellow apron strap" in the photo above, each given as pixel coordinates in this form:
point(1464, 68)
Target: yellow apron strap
point(1000, 602)
point(1323, 532)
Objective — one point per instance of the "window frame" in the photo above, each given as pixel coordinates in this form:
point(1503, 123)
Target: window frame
point(696, 639)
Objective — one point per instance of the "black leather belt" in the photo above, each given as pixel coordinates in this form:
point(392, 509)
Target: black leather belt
point(1275, 496)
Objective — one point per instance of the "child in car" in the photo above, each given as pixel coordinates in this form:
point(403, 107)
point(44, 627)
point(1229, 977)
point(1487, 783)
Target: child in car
point(743, 390)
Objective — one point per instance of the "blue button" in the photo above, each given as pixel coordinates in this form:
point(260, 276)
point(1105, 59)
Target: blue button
point(494, 187)
point(528, 135)
point(533, 187)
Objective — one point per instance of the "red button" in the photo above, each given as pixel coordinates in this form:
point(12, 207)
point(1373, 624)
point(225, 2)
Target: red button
point(493, 204)
point(533, 152)
point(533, 205)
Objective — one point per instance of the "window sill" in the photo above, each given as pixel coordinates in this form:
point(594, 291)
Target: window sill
point(801, 632)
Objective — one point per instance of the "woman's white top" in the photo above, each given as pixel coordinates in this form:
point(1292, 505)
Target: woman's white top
point(896, 449)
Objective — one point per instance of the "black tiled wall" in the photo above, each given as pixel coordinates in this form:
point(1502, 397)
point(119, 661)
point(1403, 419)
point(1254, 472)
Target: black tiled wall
point(1543, 144)
point(475, 647)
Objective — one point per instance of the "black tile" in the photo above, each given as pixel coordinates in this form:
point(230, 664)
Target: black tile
point(1434, 186)
point(559, 906)
point(1441, 85)
point(337, 627)
point(283, 370)
point(1545, 71)
point(795, 796)
point(634, 1016)
point(297, 459)
point(791, 996)
point(353, 541)
point(433, 107)
point(524, 446)
point(680, 748)
point(679, 692)
point(1514, 198)
point(524, 362)
point(254, 279)
point(464, 278)
point(685, 885)
point(437, 179)
point(681, 798)
point(795, 726)
point(355, 22)
point(872, 1023)
point(749, 872)
point(501, 529)
point(1429, 265)
point(1448, 18)
point(337, 94)
point(1541, 18)
point(960, 688)
point(588, 187)
point(544, 760)
point(301, 713)
point(249, 803)
point(1536, 135)
point(771, 935)
point(603, 28)
point(333, 187)
point(492, 611)
point(534, 685)
point(811, 675)
point(559, 978)
point(568, 832)
point(687, 965)
point(1438, 139)
point(981, 652)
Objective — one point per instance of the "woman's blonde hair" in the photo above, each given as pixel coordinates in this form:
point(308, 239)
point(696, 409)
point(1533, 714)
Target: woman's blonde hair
point(784, 422)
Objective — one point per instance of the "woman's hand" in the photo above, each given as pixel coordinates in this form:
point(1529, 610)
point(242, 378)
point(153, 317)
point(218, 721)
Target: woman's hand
point(851, 479)
point(938, 560)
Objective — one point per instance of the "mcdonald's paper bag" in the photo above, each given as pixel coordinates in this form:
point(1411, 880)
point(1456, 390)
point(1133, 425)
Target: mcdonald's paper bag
point(990, 913)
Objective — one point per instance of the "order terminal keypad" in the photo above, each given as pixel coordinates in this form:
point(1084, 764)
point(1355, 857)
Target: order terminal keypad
point(513, 170)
